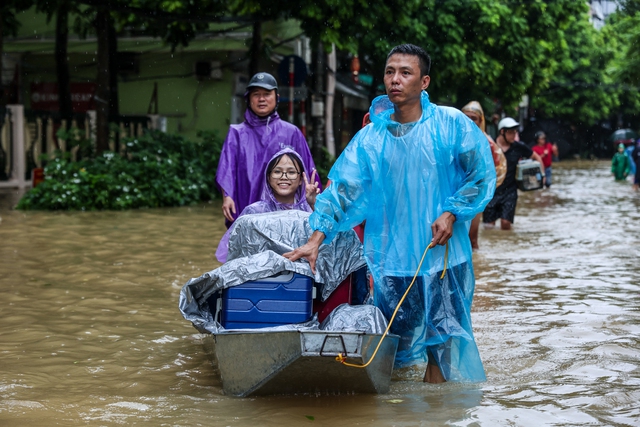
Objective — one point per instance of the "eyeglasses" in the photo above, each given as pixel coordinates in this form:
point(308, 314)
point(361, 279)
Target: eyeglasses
point(289, 174)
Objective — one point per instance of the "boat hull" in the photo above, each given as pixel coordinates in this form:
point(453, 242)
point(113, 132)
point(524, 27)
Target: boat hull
point(256, 363)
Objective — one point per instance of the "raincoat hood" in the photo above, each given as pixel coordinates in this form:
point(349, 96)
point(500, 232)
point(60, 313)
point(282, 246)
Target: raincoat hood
point(382, 108)
point(254, 120)
point(476, 108)
point(269, 199)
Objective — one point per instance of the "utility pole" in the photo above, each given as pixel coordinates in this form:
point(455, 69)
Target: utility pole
point(62, 62)
point(103, 80)
point(256, 48)
point(317, 105)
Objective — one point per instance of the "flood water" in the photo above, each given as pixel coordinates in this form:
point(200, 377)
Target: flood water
point(91, 334)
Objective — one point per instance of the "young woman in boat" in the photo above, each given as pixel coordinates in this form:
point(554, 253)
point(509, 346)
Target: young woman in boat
point(286, 186)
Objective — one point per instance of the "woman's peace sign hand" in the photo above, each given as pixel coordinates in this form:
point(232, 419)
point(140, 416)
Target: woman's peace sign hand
point(311, 188)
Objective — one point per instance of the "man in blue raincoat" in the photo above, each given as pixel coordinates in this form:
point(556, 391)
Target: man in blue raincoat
point(418, 176)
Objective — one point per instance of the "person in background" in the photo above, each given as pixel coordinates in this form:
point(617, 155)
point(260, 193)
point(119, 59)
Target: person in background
point(635, 157)
point(249, 146)
point(546, 151)
point(620, 164)
point(418, 174)
point(285, 185)
point(492, 126)
point(503, 204)
point(629, 151)
point(474, 111)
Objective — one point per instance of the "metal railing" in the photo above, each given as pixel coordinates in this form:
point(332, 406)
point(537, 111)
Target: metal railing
point(28, 139)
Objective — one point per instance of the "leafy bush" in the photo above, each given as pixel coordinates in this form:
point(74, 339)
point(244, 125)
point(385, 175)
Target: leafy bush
point(156, 170)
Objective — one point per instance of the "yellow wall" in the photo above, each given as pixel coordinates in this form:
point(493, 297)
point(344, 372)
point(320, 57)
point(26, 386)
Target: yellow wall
point(189, 104)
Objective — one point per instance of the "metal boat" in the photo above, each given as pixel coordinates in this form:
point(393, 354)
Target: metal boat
point(253, 363)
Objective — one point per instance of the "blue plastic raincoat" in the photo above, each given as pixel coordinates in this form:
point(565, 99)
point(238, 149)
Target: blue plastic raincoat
point(629, 152)
point(400, 178)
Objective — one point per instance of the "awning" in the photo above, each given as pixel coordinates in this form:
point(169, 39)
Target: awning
point(346, 90)
point(352, 98)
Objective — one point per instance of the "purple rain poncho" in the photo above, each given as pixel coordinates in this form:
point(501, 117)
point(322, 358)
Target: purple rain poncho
point(246, 153)
point(268, 203)
point(400, 178)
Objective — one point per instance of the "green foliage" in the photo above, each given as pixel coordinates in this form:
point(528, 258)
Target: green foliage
point(623, 32)
point(481, 49)
point(622, 38)
point(597, 73)
point(8, 10)
point(76, 138)
point(582, 90)
point(157, 170)
point(177, 22)
point(629, 7)
point(339, 22)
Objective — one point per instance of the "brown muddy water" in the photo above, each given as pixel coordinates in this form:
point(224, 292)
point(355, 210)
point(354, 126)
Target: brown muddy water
point(91, 334)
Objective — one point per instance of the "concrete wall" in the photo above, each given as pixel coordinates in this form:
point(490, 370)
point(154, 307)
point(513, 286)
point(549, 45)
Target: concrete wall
point(189, 104)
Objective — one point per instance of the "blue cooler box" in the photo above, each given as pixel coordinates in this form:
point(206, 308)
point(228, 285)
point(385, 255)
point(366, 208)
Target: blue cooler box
point(273, 301)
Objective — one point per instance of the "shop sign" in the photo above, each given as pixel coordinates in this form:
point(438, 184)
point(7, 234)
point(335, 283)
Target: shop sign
point(44, 96)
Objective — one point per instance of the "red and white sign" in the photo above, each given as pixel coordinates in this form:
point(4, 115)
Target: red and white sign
point(44, 96)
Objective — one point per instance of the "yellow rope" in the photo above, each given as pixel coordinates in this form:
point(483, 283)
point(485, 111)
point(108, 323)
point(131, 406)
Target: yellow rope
point(343, 357)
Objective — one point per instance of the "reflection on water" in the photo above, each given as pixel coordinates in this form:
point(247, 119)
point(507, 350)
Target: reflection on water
point(90, 332)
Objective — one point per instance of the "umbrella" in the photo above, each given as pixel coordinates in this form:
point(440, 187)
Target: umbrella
point(623, 135)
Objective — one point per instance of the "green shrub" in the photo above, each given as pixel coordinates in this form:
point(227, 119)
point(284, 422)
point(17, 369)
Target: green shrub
point(156, 170)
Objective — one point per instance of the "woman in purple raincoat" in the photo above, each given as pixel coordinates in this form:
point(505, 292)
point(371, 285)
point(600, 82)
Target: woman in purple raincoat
point(251, 144)
point(285, 185)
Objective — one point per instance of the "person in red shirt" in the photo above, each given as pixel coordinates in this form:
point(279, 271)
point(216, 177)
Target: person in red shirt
point(546, 151)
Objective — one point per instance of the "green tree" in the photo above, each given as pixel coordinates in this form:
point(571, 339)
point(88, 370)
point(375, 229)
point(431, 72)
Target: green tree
point(583, 90)
point(339, 22)
point(598, 71)
point(621, 35)
point(176, 22)
point(481, 49)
